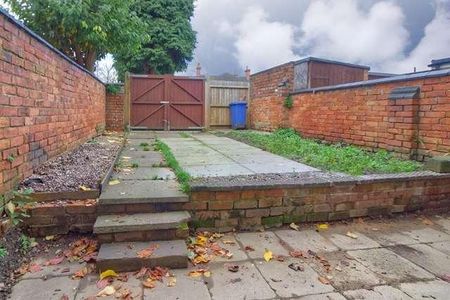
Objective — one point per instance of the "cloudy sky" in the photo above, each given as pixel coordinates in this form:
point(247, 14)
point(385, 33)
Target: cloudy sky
point(388, 35)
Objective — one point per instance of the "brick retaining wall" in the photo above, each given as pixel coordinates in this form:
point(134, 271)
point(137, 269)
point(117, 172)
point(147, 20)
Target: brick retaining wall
point(249, 206)
point(48, 103)
point(361, 113)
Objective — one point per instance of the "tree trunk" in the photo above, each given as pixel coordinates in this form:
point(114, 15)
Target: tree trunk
point(89, 62)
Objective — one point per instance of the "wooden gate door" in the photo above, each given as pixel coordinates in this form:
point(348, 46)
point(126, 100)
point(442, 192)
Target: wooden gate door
point(166, 102)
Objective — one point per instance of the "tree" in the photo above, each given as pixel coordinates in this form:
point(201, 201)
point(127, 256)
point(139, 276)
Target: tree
point(85, 30)
point(171, 40)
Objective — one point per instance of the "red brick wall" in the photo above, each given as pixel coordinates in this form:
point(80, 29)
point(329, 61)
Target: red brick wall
point(265, 85)
point(48, 105)
point(115, 111)
point(365, 116)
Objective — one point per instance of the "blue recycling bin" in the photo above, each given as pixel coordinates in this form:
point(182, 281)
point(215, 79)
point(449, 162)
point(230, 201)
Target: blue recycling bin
point(238, 114)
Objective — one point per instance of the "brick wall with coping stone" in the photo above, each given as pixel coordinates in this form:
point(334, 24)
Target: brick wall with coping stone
point(361, 114)
point(115, 111)
point(48, 103)
point(249, 207)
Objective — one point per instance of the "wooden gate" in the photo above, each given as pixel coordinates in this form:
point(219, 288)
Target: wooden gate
point(166, 102)
point(220, 92)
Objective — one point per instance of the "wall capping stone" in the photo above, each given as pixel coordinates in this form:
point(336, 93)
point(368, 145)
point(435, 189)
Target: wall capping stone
point(405, 92)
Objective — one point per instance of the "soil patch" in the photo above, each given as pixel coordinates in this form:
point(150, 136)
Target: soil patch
point(20, 252)
point(84, 166)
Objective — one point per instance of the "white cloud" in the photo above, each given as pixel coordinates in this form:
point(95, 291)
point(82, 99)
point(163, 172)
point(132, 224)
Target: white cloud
point(434, 45)
point(343, 30)
point(261, 44)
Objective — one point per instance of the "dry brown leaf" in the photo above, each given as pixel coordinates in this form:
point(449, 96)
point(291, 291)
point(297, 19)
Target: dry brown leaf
point(147, 252)
point(172, 281)
point(323, 280)
point(149, 283)
point(351, 235)
point(34, 268)
point(294, 226)
point(249, 248)
point(141, 272)
point(107, 291)
point(55, 261)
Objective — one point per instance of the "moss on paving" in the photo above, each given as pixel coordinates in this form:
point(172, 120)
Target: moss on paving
point(182, 176)
point(330, 157)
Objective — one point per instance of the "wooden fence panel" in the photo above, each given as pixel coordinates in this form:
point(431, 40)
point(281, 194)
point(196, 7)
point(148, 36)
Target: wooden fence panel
point(219, 95)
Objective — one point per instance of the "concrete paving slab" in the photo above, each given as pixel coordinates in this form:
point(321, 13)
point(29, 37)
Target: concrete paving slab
point(444, 247)
point(289, 283)
point(437, 289)
point(425, 256)
point(378, 293)
point(51, 289)
point(238, 253)
point(141, 134)
point(88, 288)
point(140, 222)
point(63, 269)
point(347, 274)
point(306, 240)
point(261, 241)
point(327, 296)
point(135, 143)
point(202, 160)
point(144, 173)
point(347, 243)
point(391, 238)
point(217, 170)
point(390, 266)
point(141, 158)
point(143, 191)
point(427, 235)
point(186, 288)
point(247, 283)
point(445, 224)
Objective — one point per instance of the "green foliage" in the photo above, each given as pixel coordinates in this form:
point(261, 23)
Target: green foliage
point(3, 252)
point(26, 243)
point(331, 157)
point(11, 158)
point(182, 176)
point(134, 165)
point(85, 30)
point(171, 40)
point(184, 135)
point(113, 89)
point(144, 144)
point(288, 102)
point(15, 207)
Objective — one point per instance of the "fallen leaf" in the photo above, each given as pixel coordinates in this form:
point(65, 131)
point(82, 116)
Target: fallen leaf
point(10, 207)
point(141, 272)
point(268, 255)
point(55, 261)
point(84, 188)
point(229, 242)
point(427, 221)
point(149, 283)
point(322, 226)
point(199, 272)
point(49, 237)
point(446, 277)
point(249, 248)
point(233, 268)
point(323, 280)
point(280, 258)
point(80, 273)
point(108, 273)
point(172, 281)
point(113, 182)
point(102, 283)
point(297, 253)
point(147, 252)
point(294, 226)
point(34, 268)
point(64, 297)
point(123, 293)
point(107, 291)
point(123, 277)
point(296, 267)
point(351, 235)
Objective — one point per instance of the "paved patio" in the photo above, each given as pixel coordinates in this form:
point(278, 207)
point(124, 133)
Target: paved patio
point(207, 155)
point(406, 258)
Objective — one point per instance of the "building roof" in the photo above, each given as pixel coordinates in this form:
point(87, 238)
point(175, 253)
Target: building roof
point(437, 62)
point(328, 61)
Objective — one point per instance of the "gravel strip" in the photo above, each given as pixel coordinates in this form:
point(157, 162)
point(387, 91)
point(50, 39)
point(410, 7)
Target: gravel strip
point(84, 166)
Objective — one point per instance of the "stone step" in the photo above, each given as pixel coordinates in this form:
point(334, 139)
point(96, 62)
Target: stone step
point(143, 191)
point(108, 209)
point(142, 227)
point(123, 257)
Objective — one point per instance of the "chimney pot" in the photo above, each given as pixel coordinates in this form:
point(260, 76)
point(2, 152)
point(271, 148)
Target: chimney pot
point(247, 73)
point(198, 70)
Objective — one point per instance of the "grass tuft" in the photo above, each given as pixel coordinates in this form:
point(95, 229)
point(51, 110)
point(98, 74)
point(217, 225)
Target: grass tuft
point(330, 157)
point(182, 176)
